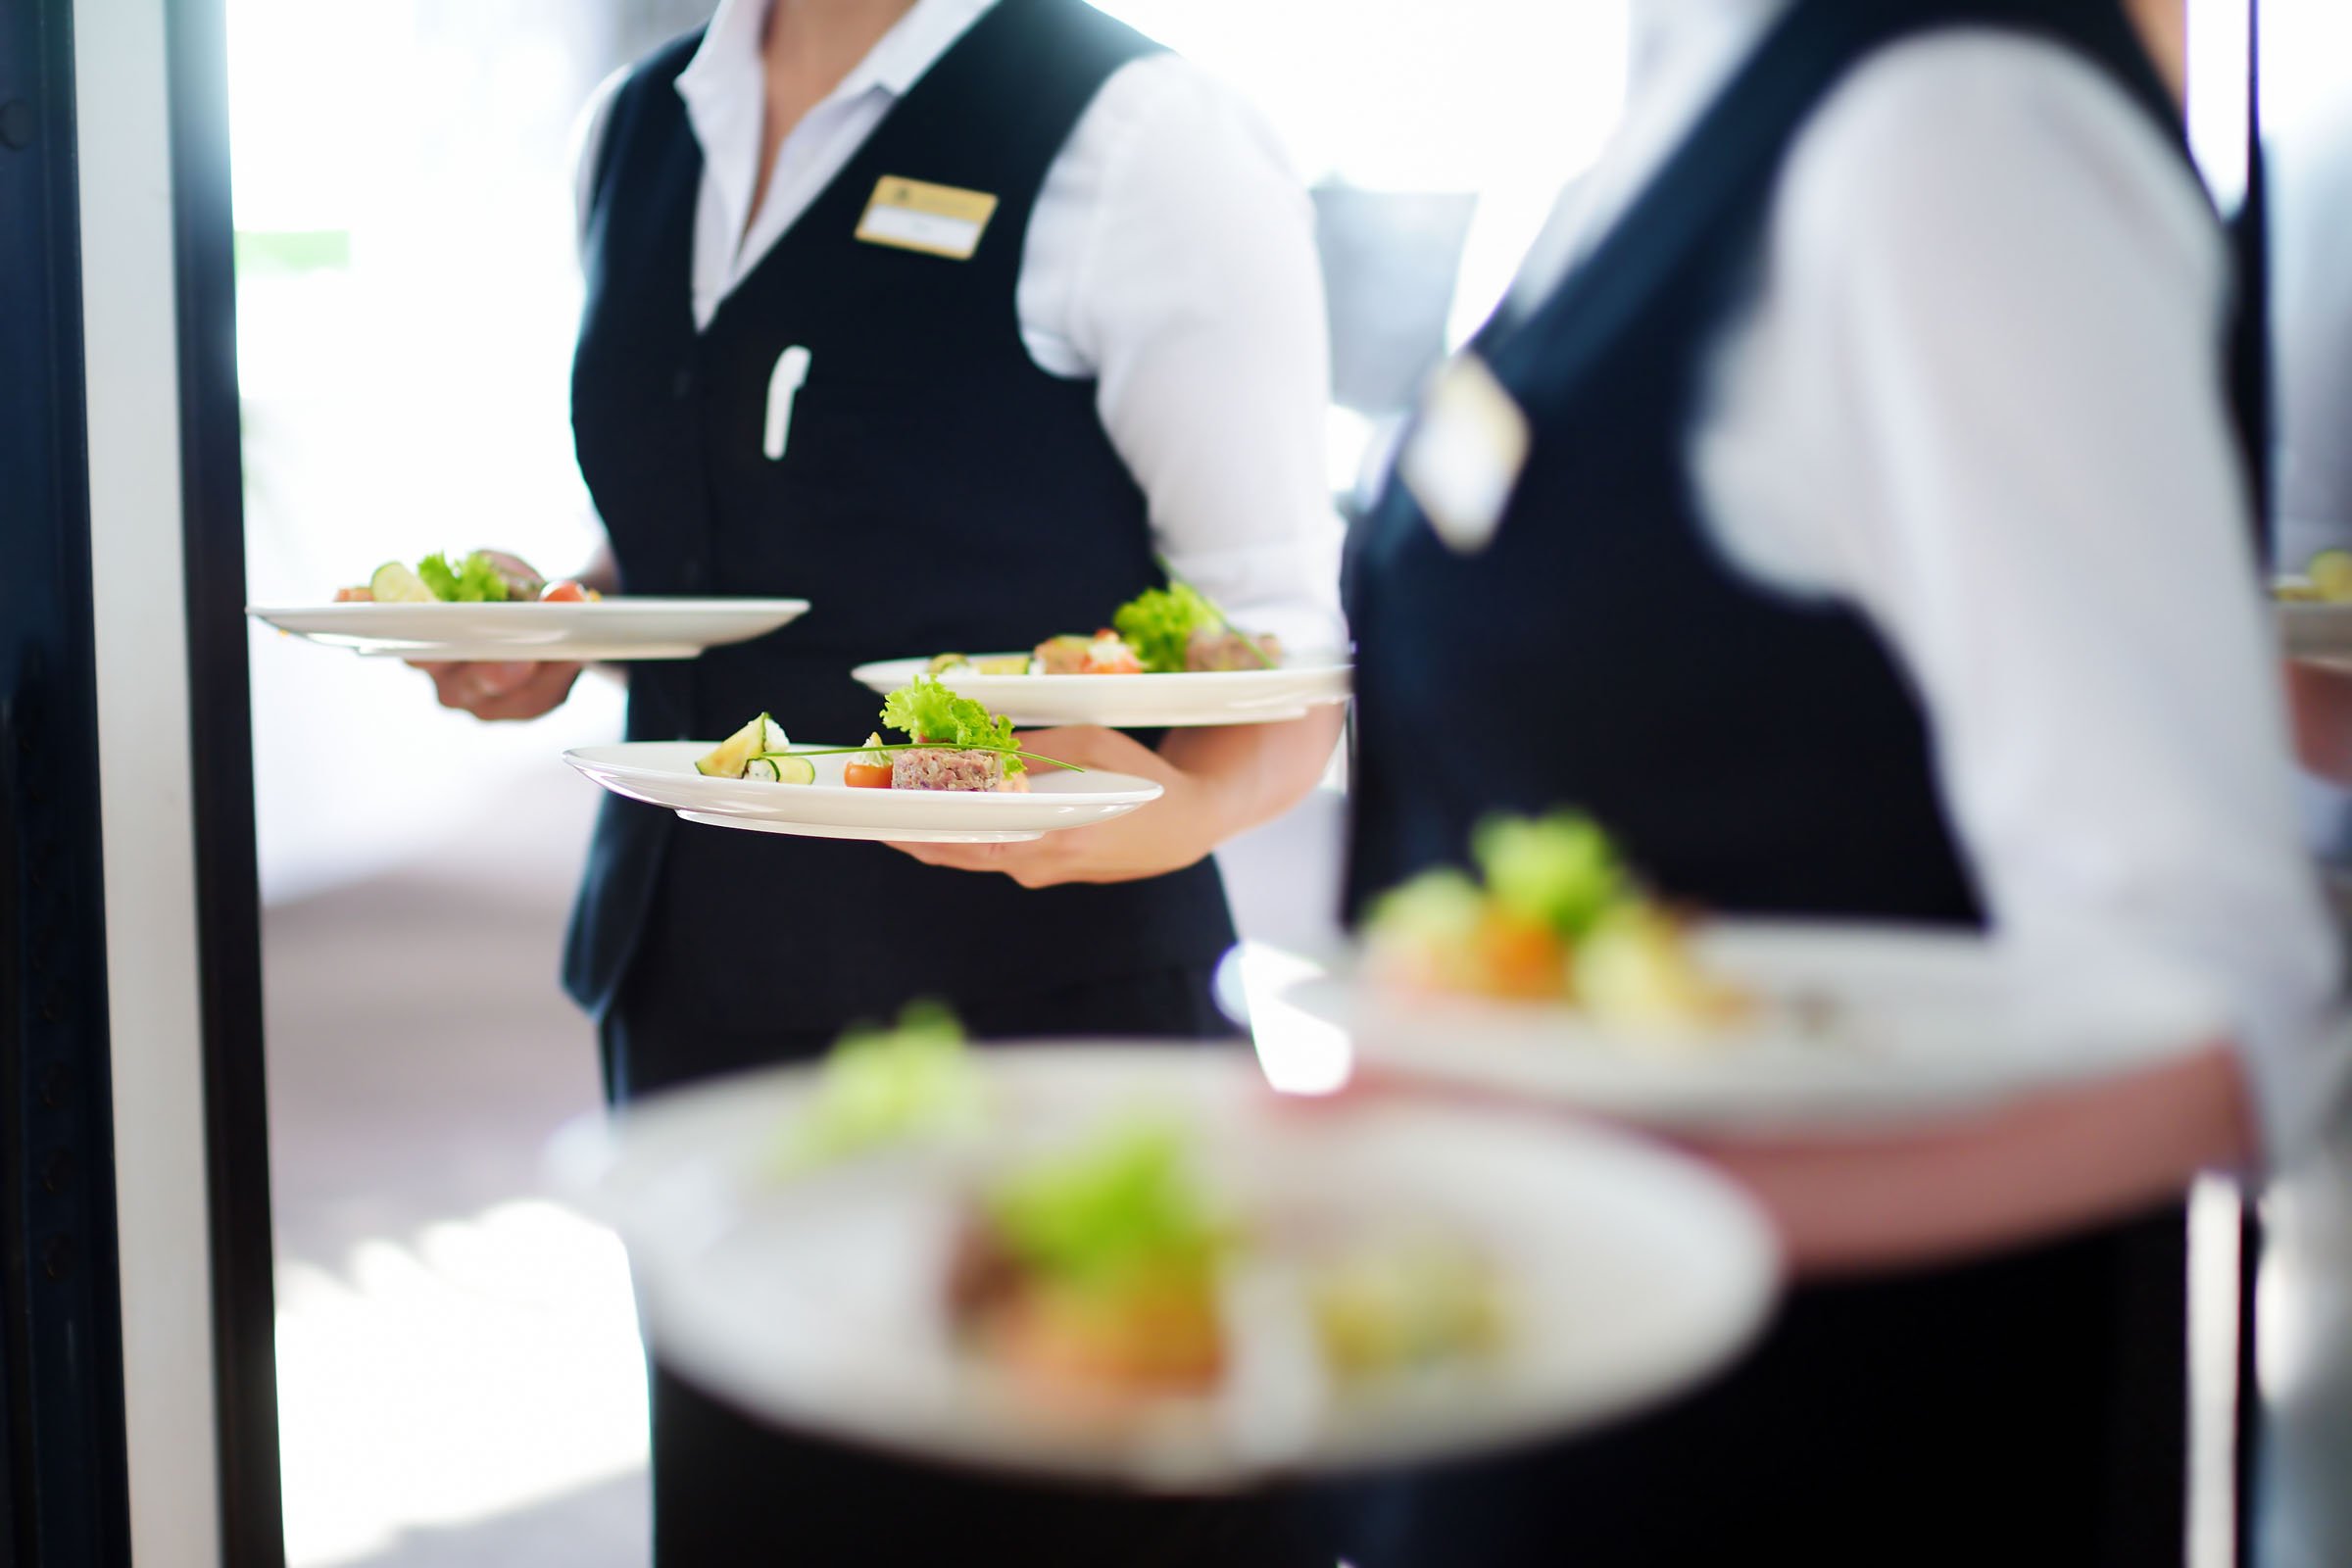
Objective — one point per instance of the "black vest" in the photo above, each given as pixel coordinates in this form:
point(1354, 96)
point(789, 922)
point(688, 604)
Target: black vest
point(938, 491)
point(1754, 754)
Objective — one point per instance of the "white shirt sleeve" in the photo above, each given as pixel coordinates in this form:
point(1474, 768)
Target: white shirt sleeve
point(1171, 254)
point(1981, 398)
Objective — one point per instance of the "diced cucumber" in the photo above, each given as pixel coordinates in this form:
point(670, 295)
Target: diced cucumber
point(762, 768)
point(729, 758)
point(395, 584)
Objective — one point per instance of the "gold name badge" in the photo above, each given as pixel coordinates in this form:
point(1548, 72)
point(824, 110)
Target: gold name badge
point(1463, 459)
point(936, 219)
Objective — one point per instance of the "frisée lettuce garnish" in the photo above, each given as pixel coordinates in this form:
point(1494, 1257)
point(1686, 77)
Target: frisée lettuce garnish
point(879, 1085)
point(1560, 870)
point(1158, 624)
point(475, 581)
point(1118, 1207)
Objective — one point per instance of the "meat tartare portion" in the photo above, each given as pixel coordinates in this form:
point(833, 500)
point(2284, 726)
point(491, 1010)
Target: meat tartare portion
point(942, 767)
point(1212, 649)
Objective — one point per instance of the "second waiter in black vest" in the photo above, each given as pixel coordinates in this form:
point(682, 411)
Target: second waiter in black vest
point(1847, 511)
point(953, 318)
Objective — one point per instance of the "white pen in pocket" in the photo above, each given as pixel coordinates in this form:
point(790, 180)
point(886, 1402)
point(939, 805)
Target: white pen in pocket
point(783, 384)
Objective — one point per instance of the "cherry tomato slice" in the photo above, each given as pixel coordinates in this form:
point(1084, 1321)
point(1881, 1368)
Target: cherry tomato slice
point(866, 775)
point(564, 592)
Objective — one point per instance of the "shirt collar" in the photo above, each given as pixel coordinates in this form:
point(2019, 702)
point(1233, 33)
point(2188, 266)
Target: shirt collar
point(725, 84)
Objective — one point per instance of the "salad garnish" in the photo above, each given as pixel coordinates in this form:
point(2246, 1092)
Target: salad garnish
point(931, 714)
point(1557, 918)
point(881, 1086)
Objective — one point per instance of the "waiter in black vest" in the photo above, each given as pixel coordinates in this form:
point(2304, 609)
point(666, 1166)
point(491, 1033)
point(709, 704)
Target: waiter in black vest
point(1847, 512)
point(952, 317)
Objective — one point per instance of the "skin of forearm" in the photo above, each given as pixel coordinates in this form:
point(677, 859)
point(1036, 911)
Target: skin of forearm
point(2320, 702)
point(2033, 1171)
point(1255, 773)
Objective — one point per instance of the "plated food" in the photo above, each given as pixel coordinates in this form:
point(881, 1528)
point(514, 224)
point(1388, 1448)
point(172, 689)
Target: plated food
point(488, 604)
point(1108, 1274)
point(1554, 918)
point(483, 577)
point(1163, 631)
point(2327, 579)
point(1126, 1264)
point(1551, 974)
point(961, 776)
point(952, 743)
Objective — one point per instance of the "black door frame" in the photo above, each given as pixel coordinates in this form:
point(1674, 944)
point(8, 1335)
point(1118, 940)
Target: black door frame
point(221, 749)
point(63, 1471)
point(64, 1474)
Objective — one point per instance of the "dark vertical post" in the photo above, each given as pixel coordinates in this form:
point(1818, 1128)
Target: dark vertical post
point(221, 740)
point(66, 1483)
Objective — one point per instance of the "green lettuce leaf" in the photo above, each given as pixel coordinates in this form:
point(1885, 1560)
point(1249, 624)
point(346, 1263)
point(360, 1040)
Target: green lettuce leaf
point(474, 581)
point(1094, 1214)
point(1158, 624)
point(883, 1085)
point(1561, 869)
point(928, 712)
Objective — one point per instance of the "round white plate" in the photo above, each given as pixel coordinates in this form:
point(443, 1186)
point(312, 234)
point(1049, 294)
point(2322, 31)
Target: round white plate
point(1138, 702)
point(661, 773)
point(609, 629)
point(1860, 1026)
point(1628, 1272)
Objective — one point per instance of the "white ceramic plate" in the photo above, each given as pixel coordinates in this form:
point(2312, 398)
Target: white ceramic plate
point(609, 629)
point(1860, 1026)
point(661, 773)
point(2314, 628)
point(1139, 701)
point(1628, 1272)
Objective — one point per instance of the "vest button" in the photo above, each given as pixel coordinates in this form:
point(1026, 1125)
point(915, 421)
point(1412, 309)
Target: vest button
point(681, 384)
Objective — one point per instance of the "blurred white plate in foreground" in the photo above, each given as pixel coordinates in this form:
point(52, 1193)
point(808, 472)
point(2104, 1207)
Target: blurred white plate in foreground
point(661, 773)
point(1858, 1025)
point(1137, 702)
point(1628, 1272)
point(606, 629)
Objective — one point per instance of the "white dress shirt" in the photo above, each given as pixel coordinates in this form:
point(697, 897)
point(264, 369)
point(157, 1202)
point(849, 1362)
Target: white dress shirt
point(1170, 255)
point(1976, 396)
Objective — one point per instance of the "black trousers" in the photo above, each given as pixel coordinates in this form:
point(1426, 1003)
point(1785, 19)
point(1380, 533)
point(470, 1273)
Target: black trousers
point(2024, 1411)
point(730, 1493)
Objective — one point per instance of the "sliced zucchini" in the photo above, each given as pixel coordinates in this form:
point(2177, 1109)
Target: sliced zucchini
point(729, 756)
point(941, 663)
point(395, 584)
point(783, 767)
point(1009, 664)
